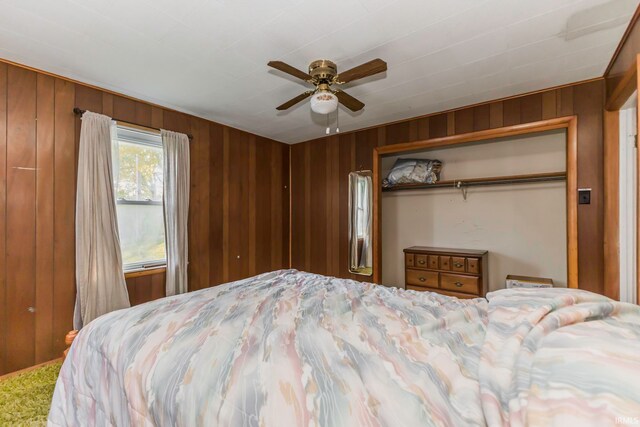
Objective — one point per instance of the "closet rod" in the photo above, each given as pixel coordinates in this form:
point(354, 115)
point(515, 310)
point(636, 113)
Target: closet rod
point(515, 179)
point(498, 180)
point(80, 112)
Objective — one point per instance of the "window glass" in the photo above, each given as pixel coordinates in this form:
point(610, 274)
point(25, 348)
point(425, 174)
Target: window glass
point(138, 185)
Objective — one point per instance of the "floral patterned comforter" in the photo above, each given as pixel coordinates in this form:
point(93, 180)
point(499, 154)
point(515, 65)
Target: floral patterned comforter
point(289, 348)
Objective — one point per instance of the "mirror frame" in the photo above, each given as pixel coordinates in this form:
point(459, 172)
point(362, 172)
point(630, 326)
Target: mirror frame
point(360, 247)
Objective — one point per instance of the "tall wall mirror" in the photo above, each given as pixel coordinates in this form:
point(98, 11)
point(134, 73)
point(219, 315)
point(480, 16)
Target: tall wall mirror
point(361, 223)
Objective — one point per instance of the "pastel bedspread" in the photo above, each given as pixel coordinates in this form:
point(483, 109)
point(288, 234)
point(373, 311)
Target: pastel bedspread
point(289, 348)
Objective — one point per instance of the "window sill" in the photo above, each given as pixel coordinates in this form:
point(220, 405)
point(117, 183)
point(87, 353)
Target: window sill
point(144, 272)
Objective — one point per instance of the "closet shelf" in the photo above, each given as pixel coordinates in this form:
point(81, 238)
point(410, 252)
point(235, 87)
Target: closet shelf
point(472, 182)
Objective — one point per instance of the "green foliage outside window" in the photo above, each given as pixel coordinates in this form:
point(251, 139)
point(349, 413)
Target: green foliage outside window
point(139, 178)
point(139, 172)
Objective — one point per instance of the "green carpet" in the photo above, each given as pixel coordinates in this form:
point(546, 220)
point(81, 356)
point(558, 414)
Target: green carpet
point(25, 398)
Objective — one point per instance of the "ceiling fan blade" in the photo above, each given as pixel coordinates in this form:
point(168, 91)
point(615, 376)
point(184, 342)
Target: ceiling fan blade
point(290, 103)
point(286, 68)
point(349, 101)
point(365, 70)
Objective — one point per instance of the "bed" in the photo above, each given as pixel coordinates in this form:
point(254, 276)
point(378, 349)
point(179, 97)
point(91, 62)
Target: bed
point(289, 348)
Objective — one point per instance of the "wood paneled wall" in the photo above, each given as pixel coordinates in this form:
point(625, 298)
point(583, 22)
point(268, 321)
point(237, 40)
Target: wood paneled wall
point(238, 216)
point(146, 288)
point(320, 168)
point(239, 207)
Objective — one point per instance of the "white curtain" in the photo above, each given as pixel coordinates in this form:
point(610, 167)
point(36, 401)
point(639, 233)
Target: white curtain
point(100, 284)
point(176, 208)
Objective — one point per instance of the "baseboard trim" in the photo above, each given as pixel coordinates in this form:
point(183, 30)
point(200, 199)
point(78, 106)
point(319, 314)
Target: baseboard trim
point(30, 368)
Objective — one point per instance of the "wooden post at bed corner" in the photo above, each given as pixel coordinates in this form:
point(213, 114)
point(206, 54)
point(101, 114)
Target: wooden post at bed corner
point(68, 340)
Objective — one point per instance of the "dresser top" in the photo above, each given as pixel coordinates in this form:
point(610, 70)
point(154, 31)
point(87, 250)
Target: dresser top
point(432, 250)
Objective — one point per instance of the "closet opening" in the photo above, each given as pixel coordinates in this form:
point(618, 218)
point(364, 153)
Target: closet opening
point(511, 192)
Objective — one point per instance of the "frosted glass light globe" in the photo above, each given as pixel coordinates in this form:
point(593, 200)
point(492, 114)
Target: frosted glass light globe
point(324, 102)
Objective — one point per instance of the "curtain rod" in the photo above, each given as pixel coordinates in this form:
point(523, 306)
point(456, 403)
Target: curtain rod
point(80, 112)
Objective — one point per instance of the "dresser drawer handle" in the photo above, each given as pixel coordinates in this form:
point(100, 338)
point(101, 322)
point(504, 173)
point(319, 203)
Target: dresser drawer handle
point(422, 279)
point(458, 265)
point(420, 261)
point(459, 284)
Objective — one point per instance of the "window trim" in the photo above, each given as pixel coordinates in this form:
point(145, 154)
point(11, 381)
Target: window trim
point(145, 139)
point(145, 272)
point(144, 265)
point(138, 136)
point(139, 202)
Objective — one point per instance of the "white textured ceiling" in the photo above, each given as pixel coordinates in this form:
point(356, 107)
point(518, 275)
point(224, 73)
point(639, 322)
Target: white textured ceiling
point(208, 57)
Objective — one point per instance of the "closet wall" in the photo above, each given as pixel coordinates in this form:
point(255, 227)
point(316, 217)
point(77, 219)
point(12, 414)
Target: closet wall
point(238, 216)
point(320, 168)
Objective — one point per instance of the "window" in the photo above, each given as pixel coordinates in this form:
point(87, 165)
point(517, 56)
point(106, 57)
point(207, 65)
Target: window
point(138, 178)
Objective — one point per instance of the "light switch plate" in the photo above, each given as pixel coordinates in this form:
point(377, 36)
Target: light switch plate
point(584, 196)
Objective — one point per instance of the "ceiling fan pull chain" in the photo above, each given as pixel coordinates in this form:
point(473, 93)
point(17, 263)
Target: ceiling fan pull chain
point(328, 129)
point(337, 120)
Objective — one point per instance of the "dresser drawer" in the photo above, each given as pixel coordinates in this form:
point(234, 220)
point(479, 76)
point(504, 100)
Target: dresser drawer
point(457, 264)
point(408, 260)
point(445, 263)
point(457, 294)
point(473, 265)
point(421, 278)
point(441, 292)
point(433, 262)
point(422, 289)
point(420, 261)
point(457, 283)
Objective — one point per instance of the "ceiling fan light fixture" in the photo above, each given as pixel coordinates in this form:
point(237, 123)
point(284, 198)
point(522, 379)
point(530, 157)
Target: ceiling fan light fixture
point(322, 74)
point(324, 102)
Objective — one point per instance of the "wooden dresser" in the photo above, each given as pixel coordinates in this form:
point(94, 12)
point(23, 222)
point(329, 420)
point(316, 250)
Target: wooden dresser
point(459, 273)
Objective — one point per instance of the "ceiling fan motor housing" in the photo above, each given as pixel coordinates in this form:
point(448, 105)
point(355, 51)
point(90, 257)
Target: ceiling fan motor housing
point(323, 70)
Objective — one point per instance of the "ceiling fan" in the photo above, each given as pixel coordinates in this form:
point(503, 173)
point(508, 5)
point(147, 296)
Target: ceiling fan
point(323, 74)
